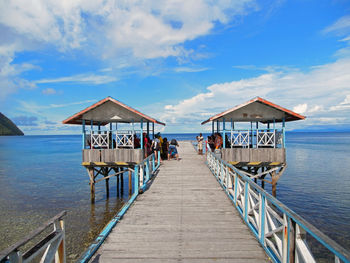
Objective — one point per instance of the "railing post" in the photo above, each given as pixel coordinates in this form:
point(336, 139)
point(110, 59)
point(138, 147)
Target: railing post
point(227, 179)
point(147, 170)
point(262, 220)
point(60, 256)
point(153, 163)
point(222, 173)
point(235, 188)
point(141, 177)
point(246, 193)
point(285, 236)
point(136, 180)
point(158, 159)
point(15, 257)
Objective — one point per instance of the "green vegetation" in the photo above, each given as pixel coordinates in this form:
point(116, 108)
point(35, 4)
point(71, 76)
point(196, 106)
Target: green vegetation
point(7, 127)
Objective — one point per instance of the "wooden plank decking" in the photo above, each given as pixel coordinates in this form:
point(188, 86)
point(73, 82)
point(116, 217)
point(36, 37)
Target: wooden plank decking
point(184, 217)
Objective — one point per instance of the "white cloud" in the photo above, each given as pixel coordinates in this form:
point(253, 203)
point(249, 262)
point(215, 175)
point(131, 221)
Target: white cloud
point(345, 104)
point(34, 108)
point(146, 29)
point(189, 69)
point(341, 26)
point(48, 91)
point(300, 108)
point(126, 33)
point(314, 93)
point(80, 78)
point(10, 80)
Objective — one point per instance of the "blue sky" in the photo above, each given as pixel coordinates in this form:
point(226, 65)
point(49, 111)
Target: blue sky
point(178, 61)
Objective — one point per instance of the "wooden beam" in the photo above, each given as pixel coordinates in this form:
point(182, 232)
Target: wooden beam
point(109, 176)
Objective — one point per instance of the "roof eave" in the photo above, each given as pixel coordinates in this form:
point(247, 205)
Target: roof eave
point(73, 119)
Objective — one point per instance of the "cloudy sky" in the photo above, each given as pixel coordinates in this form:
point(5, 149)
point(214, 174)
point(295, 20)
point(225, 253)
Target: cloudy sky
point(178, 61)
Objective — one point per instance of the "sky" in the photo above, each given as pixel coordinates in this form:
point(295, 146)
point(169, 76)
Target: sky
point(177, 61)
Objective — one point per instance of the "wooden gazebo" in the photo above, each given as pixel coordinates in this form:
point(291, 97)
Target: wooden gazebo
point(262, 146)
point(106, 147)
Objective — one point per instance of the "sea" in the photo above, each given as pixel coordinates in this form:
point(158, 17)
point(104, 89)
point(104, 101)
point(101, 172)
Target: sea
point(41, 176)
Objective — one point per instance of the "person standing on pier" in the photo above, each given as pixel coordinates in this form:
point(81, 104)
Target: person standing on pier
point(156, 147)
point(200, 143)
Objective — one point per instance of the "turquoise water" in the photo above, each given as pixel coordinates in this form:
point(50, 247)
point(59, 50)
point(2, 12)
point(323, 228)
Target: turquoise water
point(42, 175)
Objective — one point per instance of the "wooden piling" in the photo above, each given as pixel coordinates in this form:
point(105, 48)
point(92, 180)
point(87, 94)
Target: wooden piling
point(274, 183)
point(92, 183)
point(122, 183)
point(118, 182)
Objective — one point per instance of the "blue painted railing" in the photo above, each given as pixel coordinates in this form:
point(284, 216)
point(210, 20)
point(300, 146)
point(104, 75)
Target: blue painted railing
point(142, 173)
point(280, 231)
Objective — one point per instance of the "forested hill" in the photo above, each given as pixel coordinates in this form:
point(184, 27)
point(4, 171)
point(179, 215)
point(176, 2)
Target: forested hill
point(7, 127)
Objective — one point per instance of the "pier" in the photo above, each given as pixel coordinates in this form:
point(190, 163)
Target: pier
point(185, 216)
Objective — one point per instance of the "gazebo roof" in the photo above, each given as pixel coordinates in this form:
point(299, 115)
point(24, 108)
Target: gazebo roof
point(109, 110)
point(259, 110)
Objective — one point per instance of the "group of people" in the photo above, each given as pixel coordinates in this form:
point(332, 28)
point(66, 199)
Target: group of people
point(215, 141)
point(167, 149)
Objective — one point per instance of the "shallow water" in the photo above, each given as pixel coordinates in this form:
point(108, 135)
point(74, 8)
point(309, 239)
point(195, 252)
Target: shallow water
point(42, 175)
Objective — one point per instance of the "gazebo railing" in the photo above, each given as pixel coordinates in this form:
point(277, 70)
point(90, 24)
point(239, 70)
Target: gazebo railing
point(266, 138)
point(100, 140)
point(272, 138)
point(240, 138)
point(110, 139)
point(125, 138)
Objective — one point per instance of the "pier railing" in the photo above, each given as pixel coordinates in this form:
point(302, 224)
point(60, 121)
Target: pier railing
point(51, 248)
point(281, 232)
point(142, 173)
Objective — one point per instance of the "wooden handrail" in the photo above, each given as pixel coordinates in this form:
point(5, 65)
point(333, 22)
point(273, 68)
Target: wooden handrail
point(31, 235)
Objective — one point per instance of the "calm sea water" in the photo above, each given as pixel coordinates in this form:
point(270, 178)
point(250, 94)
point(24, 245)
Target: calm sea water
point(42, 175)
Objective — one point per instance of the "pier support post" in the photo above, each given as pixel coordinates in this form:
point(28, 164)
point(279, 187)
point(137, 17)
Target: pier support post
point(118, 180)
point(92, 183)
point(274, 180)
point(122, 183)
point(107, 188)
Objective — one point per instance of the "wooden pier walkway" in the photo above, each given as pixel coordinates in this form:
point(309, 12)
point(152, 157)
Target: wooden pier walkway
point(184, 216)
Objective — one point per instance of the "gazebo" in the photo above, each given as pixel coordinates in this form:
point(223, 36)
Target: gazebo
point(260, 146)
point(105, 146)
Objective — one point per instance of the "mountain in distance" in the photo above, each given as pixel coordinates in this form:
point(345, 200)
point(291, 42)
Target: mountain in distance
point(7, 127)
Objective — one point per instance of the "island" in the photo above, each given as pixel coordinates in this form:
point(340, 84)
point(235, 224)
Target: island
point(7, 127)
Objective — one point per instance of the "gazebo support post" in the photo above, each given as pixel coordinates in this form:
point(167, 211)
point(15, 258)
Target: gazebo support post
point(141, 135)
point(223, 133)
point(83, 134)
